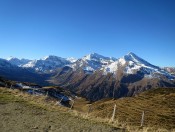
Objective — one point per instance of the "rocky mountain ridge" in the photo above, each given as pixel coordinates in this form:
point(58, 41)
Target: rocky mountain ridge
point(93, 76)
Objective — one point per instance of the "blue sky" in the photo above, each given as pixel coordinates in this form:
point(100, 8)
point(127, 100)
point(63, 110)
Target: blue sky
point(36, 28)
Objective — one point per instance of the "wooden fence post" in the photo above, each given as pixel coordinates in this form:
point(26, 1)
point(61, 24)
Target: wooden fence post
point(113, 115)
point(72, 105)
point(142, 120)
point(33, 91)
point(89, 108)
point(61, 100)
point(47, 94)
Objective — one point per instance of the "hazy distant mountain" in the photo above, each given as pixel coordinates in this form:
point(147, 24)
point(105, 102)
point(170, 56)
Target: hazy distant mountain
point(16, 61)
point(47, 64)
point(13, 72)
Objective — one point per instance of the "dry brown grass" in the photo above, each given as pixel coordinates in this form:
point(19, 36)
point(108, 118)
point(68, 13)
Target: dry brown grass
point(23, 112)
point(158, 104)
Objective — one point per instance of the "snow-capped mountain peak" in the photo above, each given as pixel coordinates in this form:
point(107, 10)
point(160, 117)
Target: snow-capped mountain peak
point(10, 58)
point(51, 57)
point(128, 64)
point(16, 61)
point(45, 58)
point(131, 64)
point(134, 62)
point(134, 58)
point(45, 64)
point(91, 56)
point(92, 62)
point(97, 57)
point(71, 59)
point(48, 63)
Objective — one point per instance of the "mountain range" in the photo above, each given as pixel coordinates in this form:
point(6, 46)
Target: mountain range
point(93, 76)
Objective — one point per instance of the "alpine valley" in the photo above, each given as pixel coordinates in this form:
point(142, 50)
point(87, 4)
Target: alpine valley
point(93, 76)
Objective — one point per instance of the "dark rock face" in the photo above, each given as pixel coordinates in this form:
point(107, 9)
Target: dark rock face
point(97, 86)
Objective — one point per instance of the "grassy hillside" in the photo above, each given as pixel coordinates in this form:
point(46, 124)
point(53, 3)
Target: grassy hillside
point(21, 112)
point(158, 104)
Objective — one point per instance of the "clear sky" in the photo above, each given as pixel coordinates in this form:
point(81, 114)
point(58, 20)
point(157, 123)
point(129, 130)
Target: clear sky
point(36, 28)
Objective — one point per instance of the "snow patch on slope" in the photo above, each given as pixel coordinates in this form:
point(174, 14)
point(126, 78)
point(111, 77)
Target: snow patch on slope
point(30, 64)
point(71, 59)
